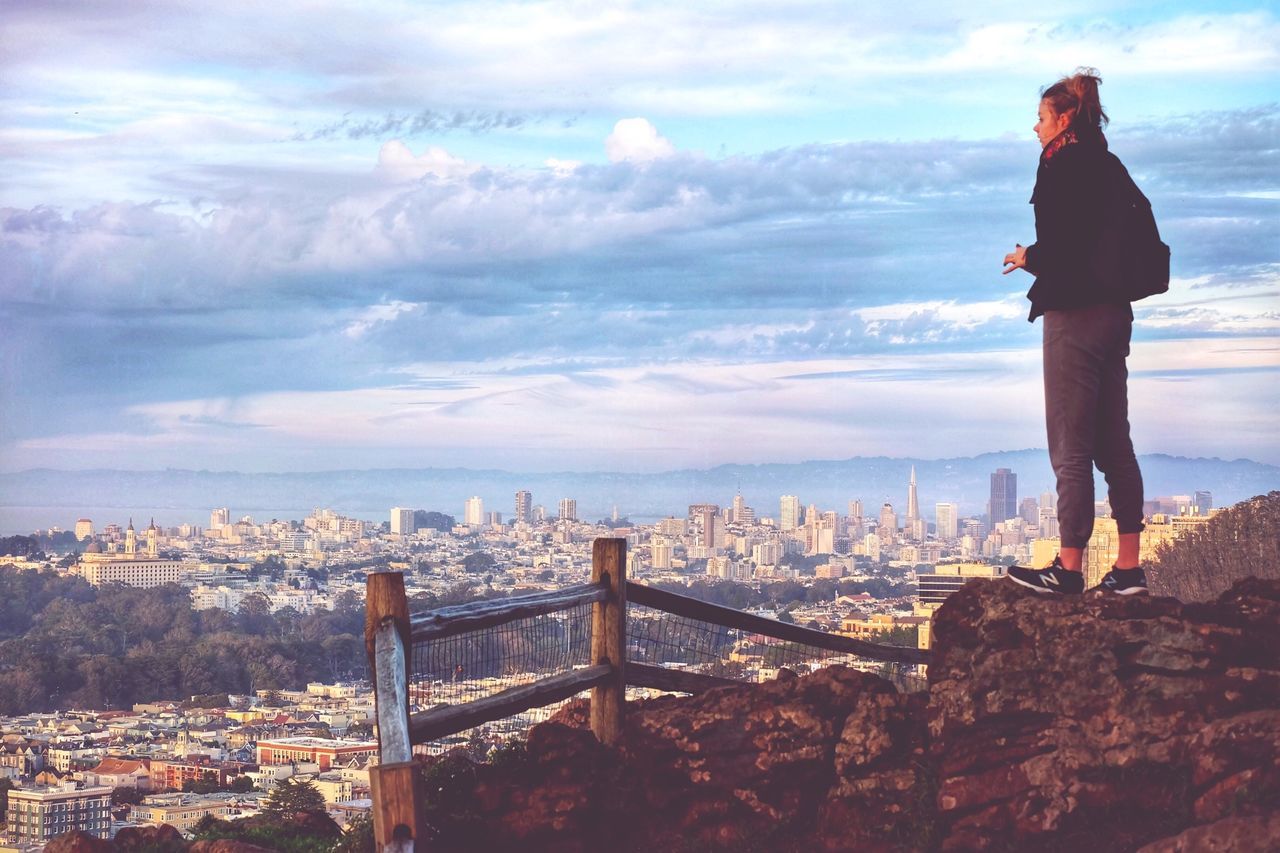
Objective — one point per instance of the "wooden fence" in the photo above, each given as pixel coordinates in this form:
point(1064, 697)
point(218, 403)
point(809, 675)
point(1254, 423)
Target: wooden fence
point(391, 634)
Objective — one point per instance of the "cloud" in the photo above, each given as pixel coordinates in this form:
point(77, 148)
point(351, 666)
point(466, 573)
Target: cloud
point(397, 163)
point(637, 140)
point(416, 124)
point(375, 314)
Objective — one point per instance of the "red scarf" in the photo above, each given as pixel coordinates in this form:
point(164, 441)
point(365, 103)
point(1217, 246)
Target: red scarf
point(1062, 140)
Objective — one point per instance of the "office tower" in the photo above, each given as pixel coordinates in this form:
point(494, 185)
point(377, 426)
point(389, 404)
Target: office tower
point(219, 517)
point(1203, 503)
point(662, 552)
point(493, 519)
point(738, 506)
point(789, 512)
point(946, 519)
point(1004, 495)
point(539, 514)
point(524, 507)
point(888, 523)
point(710, 524)
point(402, 521)
point(913, 503)
point(568, 509)
point(473, 512)
point(672, 526)
point(84, 527)
point(1029, 509)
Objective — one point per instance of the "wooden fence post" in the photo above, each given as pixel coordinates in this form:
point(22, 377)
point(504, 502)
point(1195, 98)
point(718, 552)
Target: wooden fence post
point(396, 814)
point(609, 637)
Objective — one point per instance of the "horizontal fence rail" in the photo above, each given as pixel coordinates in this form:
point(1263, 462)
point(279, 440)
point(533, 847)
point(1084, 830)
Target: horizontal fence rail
point(461, 618)
point(450, 719)
point(674, 680)
point(692, 608)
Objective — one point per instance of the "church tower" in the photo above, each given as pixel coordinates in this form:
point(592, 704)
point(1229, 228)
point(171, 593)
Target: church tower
point(130, 540)
point(153, 540)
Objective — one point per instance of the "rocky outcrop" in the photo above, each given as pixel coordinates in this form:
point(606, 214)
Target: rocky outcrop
point(1092, 723)
point(1102, 722)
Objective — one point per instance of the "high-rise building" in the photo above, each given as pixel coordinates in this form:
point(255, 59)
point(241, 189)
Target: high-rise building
point(402, 523)
point(710, 524)
point(524, 507)
point(568, 509)
point(1203, 503)
point(888, 523)
point(1029, 509)
point(219, 518)
point(662, 552)
point(84, 528)
point(1004, 495)
point(946, 520)
point(473, 512)
point(493, 519)
point(788, 512)
point(913, 502)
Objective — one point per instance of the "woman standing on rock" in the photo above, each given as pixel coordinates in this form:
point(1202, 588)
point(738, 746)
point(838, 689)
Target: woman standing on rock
point(1087, 327)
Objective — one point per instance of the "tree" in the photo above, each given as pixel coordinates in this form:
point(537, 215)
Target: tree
point(6, 785)
point(240, 785)
point(254, 614)
point(478, 562)
point(293, 795)
point(358, 836)
point(1239, 542)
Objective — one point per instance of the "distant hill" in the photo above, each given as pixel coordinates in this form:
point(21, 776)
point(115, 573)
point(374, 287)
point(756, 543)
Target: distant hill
point(830, 484)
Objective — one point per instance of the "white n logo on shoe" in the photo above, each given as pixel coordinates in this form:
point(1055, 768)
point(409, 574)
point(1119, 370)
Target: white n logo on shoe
point(1053, 579)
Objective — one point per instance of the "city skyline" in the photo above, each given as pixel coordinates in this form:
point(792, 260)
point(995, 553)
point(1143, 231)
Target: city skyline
point(620, 237)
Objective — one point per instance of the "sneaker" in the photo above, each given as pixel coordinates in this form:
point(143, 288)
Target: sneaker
point(1123, 582)
point(1053, 579)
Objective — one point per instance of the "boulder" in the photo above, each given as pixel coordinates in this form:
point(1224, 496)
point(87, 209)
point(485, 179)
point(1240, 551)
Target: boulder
point(78, 842)
point(1101, 722)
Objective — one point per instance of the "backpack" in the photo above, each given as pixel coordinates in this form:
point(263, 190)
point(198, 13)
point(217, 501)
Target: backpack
point(1131, 260)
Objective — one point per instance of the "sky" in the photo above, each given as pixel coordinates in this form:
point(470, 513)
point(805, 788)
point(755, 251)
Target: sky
point(603, 236)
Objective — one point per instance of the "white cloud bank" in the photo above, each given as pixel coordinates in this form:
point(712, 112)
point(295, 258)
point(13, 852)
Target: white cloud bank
point(637, 140)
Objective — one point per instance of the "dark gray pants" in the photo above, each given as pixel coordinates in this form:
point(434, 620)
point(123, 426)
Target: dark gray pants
point(1087, 414)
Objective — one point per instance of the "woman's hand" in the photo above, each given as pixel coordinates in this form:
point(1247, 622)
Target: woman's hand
point(1015, 260)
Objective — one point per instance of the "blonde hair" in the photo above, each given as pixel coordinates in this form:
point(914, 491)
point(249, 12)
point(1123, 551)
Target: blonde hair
point(1078, 95)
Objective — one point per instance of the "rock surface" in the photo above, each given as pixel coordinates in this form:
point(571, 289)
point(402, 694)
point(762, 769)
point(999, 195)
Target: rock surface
point(1092, 723)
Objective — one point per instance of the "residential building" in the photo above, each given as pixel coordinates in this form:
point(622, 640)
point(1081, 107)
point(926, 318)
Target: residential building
point(36, 815)
point(524, 507)
point(181, 811)
point(568, 509)
point(473, 512)
point(402, 523)
point(788, 512)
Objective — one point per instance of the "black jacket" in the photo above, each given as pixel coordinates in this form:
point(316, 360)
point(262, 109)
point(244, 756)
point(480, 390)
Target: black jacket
point(1075, 175)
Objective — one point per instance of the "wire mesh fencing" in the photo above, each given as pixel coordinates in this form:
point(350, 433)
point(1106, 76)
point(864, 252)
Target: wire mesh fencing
point(663, 639)
point(472, 665)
